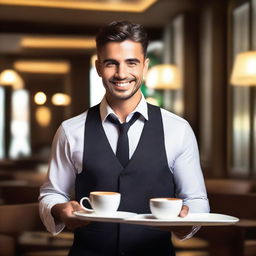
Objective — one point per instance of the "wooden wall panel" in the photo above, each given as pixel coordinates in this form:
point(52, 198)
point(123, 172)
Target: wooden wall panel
point(213, 88)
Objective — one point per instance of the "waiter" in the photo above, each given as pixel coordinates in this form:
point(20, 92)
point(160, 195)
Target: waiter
point(125, 145)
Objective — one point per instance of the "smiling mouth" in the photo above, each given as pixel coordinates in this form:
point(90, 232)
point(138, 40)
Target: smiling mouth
point(122, 83)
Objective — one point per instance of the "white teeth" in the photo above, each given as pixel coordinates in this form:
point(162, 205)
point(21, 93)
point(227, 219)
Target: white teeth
point(122, 84)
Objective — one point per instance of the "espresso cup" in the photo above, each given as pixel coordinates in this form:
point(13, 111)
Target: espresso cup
point(165, 208)
point(102, 202)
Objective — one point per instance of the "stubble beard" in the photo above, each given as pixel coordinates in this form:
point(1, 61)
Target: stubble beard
point(122, 97)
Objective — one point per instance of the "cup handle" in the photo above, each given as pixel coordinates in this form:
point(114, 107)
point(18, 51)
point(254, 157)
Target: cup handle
point(85, 208)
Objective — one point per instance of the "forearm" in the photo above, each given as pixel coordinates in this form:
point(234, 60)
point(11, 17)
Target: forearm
point(57, 211)
point(46, 203)
point(61, 212)
point(64, 213)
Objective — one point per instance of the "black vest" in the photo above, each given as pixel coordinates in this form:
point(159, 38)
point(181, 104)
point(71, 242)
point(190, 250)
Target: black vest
point(147, 175)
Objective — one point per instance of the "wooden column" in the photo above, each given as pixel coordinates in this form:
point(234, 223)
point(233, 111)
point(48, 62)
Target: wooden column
point(80, 82)
point(213, 88)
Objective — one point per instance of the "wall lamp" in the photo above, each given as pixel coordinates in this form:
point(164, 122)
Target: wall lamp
point(244, 69)
point(164, 77)
point(10, 77)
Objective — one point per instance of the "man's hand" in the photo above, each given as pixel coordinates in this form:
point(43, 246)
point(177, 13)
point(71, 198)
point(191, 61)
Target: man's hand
point(180, 232)
point(64, 213)
point(184, 211)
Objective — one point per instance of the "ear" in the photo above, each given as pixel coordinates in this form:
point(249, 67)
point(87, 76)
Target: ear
point(145, 68)
point(98, 68)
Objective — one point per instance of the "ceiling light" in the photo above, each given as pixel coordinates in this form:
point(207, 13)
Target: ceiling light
point(48, 67)
point(107, 5)
point(58, 42)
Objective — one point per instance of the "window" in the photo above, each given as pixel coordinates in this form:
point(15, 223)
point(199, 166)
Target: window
point(2, 121)
point(20, 131)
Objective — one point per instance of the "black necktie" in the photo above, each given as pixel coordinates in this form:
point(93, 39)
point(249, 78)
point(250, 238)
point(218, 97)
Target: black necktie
point(122, 151)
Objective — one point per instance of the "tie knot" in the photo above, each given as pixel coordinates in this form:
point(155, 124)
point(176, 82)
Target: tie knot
point(124, 127)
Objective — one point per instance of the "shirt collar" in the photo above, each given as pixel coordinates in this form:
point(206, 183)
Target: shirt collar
point(105, 109)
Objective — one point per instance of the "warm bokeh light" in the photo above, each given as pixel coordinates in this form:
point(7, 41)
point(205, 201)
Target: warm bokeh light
point(244, 70)
point(40, 98)
point(61, 99)
point(93, 59)
point(42, 66)
point(43, 116)
point(163, 77)
point(152, 101)
point(58, 42)
point(10, 77)
point(109, 5)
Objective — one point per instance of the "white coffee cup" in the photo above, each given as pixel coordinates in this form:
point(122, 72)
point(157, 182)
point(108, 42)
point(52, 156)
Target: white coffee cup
point(102, 202)
point(165, 208)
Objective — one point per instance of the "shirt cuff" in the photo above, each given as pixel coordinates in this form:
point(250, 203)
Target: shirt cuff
point(49, 221)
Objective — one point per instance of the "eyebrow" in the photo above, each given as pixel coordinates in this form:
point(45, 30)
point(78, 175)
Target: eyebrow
point(127, 60)
point(132, 60)
point(109, 60)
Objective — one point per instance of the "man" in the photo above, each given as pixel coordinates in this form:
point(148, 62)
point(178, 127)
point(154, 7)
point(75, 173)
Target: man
point(163, 157)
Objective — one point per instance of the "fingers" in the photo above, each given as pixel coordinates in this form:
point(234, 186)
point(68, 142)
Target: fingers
point(179, 231)
point(184, 211)
point(76, 206)
point(65, 213)
point(73, 222)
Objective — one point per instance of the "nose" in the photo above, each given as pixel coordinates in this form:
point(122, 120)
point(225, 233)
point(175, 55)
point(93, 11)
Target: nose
point(121, 72)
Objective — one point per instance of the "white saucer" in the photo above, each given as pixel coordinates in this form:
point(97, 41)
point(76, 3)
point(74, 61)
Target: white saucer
point(192, 219)
point(119, 216)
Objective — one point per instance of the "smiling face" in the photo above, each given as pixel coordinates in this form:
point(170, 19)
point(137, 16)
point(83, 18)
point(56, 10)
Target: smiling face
point(122, 65)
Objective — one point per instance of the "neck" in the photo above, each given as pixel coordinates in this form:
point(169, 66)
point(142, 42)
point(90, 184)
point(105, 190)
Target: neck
point(123, 108)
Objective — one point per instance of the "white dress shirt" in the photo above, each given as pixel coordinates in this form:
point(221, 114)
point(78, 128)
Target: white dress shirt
point(67, 154)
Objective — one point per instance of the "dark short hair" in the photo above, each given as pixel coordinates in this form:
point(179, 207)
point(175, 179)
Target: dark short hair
point(119, 31)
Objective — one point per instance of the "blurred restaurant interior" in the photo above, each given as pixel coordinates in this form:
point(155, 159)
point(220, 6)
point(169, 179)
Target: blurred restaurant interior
point(47, 75)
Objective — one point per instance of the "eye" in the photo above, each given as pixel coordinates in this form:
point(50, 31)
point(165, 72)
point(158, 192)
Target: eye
point(110, 64)
point(132, 63)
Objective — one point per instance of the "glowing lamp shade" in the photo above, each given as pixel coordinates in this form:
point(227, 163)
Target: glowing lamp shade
point(244, 69)
point(163, 77)
point(61, 99)
point(10, 77)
